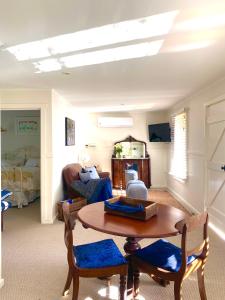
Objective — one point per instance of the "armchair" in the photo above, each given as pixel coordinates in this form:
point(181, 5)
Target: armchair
point(71, 173)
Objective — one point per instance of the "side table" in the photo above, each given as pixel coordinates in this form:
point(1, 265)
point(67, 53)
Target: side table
point(75, 206)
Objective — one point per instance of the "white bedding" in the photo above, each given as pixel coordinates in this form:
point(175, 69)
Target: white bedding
point(20, 173)
point(23, 182)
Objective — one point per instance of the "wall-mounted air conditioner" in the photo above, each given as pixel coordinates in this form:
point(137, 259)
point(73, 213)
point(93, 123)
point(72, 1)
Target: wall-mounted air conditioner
point(115, 122)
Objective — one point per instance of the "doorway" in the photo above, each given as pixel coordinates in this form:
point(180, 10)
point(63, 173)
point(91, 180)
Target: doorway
point(46, 158)
point(20, 156)
point(215, 163)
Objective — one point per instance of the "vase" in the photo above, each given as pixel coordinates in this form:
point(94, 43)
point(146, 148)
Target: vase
point(118, 155)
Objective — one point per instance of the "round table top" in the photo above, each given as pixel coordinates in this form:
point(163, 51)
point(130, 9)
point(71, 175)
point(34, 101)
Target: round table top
point(161, 225)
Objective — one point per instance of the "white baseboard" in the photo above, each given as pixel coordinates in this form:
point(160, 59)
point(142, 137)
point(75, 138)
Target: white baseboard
point(182, 201)
point(54, 218)
point(1, 283)
point(158, 187)
point(47, 222)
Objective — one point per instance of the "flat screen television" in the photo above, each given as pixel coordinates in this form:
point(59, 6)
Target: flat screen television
point(159, 132)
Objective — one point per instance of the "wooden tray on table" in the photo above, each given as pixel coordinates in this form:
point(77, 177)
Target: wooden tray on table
point(118, 205)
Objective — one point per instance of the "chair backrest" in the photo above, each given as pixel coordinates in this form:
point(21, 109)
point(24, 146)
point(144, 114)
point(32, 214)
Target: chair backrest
point(68, 233)
point(71, 173)
point(192, 224)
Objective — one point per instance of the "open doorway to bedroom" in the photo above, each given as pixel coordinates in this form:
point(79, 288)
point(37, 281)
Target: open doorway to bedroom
point(20, 162)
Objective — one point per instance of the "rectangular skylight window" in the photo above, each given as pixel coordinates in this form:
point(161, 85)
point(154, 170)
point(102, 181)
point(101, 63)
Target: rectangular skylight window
point(47, 65)
point(30, 51)
point(113, 54)
point(148, 27)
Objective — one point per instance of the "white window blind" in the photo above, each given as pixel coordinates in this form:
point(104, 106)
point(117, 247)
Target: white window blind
point(178, 166)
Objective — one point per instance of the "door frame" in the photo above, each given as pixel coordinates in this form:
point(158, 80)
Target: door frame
point(44, 211)
point(214, 221)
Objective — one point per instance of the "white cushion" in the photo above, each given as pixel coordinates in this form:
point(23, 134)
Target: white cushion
point(84, 176)
point(93, 172)
point(32, 162)
point(5, 163)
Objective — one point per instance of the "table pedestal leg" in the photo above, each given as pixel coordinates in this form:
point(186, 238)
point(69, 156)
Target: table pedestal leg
point(130, 247)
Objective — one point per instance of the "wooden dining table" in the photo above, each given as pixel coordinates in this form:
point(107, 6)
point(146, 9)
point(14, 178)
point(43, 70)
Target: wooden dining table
point(159, 226)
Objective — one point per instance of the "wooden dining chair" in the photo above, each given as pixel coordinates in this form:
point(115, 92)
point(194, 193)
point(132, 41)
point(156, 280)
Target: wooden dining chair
point(170, 263)
point(99, 259)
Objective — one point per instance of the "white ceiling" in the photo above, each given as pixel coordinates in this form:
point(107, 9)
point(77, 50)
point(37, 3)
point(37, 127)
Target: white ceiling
point(152, 83)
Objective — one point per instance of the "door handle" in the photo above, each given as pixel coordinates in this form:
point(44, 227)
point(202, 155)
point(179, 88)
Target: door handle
point(223, 168)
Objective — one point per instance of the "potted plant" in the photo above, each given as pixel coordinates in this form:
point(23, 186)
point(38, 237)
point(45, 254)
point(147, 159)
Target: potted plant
point(118, 148)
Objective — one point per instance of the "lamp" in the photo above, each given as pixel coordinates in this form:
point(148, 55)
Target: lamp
point(84, 156)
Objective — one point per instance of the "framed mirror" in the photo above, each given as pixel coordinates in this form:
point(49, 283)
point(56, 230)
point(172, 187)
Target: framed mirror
point(130, 148)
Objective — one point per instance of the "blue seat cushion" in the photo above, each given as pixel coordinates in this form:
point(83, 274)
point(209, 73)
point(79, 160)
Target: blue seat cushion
point(98, 255)
point(164, 255)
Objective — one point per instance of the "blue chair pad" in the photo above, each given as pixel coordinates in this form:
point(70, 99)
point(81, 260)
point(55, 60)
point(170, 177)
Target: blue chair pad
point(98, 255)
point(164, 255)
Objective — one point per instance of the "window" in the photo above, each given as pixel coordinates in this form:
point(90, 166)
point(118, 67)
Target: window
point(178, 166)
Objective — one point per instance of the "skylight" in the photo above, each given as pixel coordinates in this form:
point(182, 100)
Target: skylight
point(100, 56)
point(125, 31)
point(113, 54)
point(47, 65)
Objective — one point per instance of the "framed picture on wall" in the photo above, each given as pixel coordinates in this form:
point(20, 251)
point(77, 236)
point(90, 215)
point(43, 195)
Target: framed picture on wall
point(27, 125)
point(69, 132)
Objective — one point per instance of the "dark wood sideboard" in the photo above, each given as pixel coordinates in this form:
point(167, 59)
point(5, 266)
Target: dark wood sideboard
point(119, 165)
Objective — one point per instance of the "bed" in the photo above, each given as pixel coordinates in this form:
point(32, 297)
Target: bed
point(20, 173)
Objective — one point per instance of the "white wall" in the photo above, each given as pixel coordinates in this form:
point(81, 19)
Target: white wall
point(54, 154)
point(10, 140)
point(89, 133)
point(158, 152)
point(192, 192)
point(30, 100)
point(62, 155)
point(36, 99)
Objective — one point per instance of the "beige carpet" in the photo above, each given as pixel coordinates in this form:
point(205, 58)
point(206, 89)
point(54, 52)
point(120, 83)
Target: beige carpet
point(35, 268)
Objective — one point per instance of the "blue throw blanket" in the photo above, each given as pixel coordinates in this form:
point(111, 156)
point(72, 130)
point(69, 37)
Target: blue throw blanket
point(95, 190)
point(126, 208)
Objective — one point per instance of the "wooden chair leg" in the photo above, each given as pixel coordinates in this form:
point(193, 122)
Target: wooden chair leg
point(177, 290)
point(122, 287)
point(68, 283)
point(136, 275)
point(201, 283)
point(75, 287)
point(2, 221)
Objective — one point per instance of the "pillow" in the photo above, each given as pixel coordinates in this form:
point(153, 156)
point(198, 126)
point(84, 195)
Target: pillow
point(5, 163)
point(93, 172)
point(12, 163)
point(32, 162)
point(84, 176)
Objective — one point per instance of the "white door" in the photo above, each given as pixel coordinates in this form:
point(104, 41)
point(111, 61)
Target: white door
point(215, 137)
